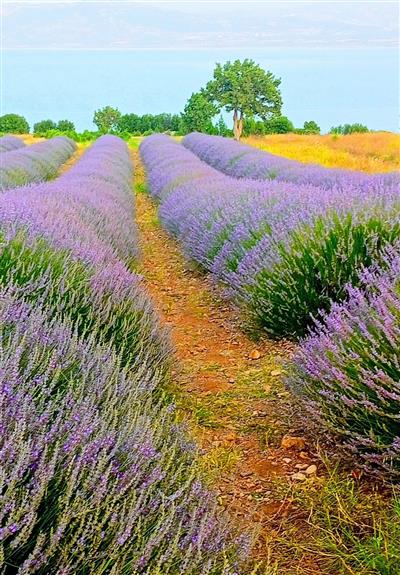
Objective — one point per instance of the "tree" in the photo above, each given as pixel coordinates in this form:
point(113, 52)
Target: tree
point(13, 124)
point(278, 125)
point(221, 127)
point(245, 89)
point(44, 126)
point(198, 113)
point(175, 122)
point(128, 123)
point(311, 127)
point(66, 126)
point(252, 127)
point(106, 119)
point(349, 129)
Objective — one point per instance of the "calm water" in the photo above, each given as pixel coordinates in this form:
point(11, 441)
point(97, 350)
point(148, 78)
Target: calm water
point(329, 86)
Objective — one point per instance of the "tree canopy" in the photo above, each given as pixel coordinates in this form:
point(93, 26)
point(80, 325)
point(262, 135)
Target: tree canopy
point(311, 127)
point(44, 126)
point(106, 119)
point(198, 113)
point(349, 129)
point(244, 88)
point(13, 124)
point(135, 124)
point(65, 126)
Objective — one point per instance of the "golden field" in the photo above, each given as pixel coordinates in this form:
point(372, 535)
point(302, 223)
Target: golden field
point(372, 152)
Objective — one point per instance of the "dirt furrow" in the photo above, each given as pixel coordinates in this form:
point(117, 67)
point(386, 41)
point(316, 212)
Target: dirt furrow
point(228, 386)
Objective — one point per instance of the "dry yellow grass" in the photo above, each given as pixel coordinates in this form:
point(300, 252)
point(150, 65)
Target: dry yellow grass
point(372, 153)
point(30, 139)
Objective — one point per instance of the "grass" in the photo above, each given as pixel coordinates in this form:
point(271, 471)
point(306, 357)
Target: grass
point(351, 528)
point(219, 461)
point(371, 152)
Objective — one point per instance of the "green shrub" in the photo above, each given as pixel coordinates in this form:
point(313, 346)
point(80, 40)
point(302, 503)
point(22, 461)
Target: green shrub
point(279, 125)
point(311, 127)
point(349, 129)
point(66, 126)
point(13, 124)
point(43, 127)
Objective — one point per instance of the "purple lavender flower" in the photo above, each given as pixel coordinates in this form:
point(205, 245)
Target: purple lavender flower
point(244, 161)
point(34, 163)
point(69, 243)
point(347, 373)
point(283, 249)
point(72, 508)
point(9, 143)
point(97, 472)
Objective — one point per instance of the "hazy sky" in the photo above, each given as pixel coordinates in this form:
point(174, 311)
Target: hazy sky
point(338, 60)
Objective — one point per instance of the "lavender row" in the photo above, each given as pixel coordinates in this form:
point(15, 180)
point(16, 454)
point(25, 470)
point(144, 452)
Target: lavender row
point(96, 477)
point(99, 476)
point(347, 373)
point(88, 209)
point(77, 234)
point(34, 163)
point(284, 250)
point(243, 161)
point(9, 143)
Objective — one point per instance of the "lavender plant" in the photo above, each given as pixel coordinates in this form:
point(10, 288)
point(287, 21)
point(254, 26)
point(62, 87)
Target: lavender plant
point(65, 243)
point(284, 250)
point(96, 475)
point(243, 161)
point(347, 373)
point(95, 478)
point(34, 163)
point(9, 143)
point(108, 304)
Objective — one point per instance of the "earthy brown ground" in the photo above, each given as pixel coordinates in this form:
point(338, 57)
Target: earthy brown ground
point(73, 159)
point(229, 387)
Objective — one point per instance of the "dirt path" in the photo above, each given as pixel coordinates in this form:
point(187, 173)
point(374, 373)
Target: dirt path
point(73, 159)
point(229, 386)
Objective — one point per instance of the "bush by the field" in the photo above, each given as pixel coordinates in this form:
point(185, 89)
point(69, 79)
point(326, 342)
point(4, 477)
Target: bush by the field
point(9, 143)
point(80, 137)
point(13, 124)
point(347, 372)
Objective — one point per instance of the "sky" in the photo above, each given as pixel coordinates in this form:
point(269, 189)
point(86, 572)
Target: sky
point(338, 61)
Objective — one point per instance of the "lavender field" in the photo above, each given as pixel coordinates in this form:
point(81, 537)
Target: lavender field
point(199, 287)
point(295, 254)
point(107, 465)
point(98, 476)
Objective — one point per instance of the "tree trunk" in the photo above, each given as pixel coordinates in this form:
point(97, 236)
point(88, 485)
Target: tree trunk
point(240, 125)
point(237, 125)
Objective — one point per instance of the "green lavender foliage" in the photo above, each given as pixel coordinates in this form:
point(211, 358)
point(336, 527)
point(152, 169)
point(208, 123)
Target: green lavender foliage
point(314, 267)
point(51, 278)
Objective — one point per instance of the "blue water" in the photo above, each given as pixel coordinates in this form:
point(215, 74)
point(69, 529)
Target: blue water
point(330, 86)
